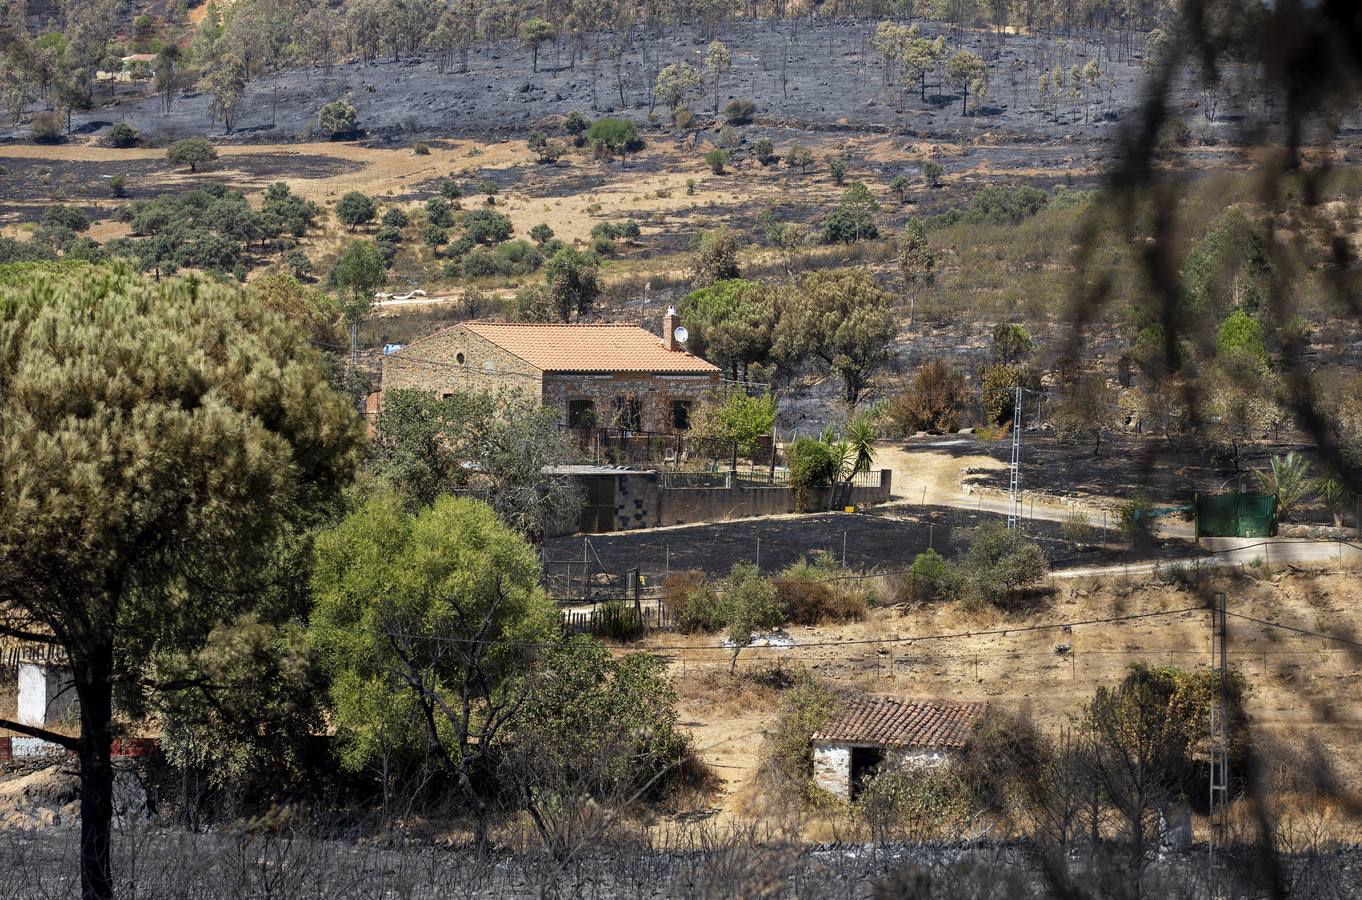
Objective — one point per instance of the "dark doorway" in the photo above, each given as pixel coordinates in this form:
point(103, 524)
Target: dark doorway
point(865, 763)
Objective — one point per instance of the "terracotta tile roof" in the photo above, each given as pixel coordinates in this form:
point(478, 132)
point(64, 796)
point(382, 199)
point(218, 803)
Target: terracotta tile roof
point(913, 724)
point(611, 347)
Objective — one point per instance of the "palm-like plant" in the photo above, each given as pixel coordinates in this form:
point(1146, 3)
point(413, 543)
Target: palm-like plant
point(1335, 493)
point(1288, 478)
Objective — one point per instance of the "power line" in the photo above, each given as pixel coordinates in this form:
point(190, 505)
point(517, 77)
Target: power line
point(1304, 631)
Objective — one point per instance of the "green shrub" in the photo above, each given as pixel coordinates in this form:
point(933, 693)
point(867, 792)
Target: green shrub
point(916, 804)
point(787, 757)
point(999, 565)
point(617, 621)
point(450, 189)
point(518, 257)
point(395, 218)
point(728, 137)
point(764, 152)
point(123, 135)
point(487, 186)
point(486, 226)
point(922, 583)
point(118, 186)
point(999, 392)
point(388, 235)
point(439, 213)
point(740, 111)
point(434, 236)
point(338, 119)
point(703, 611)
point(610, 135)
point(812, 464)
point(810, 596)
point(837, 168)
point(716, 159)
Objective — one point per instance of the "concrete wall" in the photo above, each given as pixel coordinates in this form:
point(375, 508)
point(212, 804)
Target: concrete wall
point(640, 501)
point(455, 359)
point(832, 764)
point(654, 393)
point(683, 506)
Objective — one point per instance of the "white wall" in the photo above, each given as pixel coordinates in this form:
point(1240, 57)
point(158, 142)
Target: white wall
point(832, 764)
point(832, 768)
point(46, 695)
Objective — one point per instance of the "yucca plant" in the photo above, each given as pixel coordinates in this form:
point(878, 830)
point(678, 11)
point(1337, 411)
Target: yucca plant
point(1335, 493)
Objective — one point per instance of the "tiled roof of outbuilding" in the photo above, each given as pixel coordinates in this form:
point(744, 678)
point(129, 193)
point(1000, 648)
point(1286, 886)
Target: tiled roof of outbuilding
point(612, 347)
point(912, 724)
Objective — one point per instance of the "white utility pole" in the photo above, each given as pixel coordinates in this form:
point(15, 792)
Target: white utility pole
point(1014, 470)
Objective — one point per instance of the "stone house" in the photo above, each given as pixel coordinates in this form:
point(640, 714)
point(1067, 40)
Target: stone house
point(870, 733)
point(613, 375)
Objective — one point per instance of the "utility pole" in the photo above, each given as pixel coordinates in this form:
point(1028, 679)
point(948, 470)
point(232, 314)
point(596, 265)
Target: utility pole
point(1014, 470)
point(1220, 777)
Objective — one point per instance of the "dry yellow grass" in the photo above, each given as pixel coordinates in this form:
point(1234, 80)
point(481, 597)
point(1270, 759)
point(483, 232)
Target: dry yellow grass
point(1303, 690)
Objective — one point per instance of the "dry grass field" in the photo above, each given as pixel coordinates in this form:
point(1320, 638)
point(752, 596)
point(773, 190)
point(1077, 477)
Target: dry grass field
point(1303, 700)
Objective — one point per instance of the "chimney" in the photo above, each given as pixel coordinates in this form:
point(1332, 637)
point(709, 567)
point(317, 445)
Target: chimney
point(669, 329)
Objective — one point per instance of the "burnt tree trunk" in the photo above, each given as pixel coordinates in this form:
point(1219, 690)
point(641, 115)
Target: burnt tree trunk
point(94, 688)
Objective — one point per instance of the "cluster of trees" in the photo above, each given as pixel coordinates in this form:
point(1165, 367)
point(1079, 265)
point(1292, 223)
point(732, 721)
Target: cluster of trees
point(211, 228)
point(216, 230)
point(837, 320)
point(291, 574)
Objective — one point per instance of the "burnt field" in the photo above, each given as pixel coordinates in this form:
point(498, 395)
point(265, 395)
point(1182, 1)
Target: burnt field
point(819, 75)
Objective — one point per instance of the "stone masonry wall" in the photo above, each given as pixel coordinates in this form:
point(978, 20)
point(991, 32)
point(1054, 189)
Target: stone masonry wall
point(654, 392)
point(832, 764)
point(455, 359)
point(832, 768)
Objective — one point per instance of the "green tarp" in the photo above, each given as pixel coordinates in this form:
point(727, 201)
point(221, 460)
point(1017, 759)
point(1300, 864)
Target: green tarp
point(1236, 515)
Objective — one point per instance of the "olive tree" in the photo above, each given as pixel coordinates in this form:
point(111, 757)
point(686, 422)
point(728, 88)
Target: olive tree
point(156, 437)
point(192, 152)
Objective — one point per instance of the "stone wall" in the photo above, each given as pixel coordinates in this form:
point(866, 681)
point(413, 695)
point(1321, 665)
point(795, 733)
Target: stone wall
point(832, 768)
point(654, 394)
point(455, 359)
point(832, 764)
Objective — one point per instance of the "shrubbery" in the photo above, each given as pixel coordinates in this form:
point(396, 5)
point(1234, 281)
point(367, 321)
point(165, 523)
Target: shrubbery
point(123, 135)
point(810, 595)
point(998, 567)
point(486, 226)
point(518, 257)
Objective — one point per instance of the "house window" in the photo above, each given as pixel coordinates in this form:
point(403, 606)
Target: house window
point(445, 395)
point(459, 358)
point(680, 415)
point(581, 413)
point(628, 414)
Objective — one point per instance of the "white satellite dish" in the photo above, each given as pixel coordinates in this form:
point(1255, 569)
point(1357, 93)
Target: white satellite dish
point(681, 334)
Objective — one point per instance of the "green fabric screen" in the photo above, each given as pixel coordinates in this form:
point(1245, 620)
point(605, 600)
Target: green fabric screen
point(1236, 515)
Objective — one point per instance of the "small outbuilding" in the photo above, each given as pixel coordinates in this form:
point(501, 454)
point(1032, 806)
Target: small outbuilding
point(873, 732)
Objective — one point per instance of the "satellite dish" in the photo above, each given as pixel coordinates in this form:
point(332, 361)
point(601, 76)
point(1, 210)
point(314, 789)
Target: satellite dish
point(681, 334)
